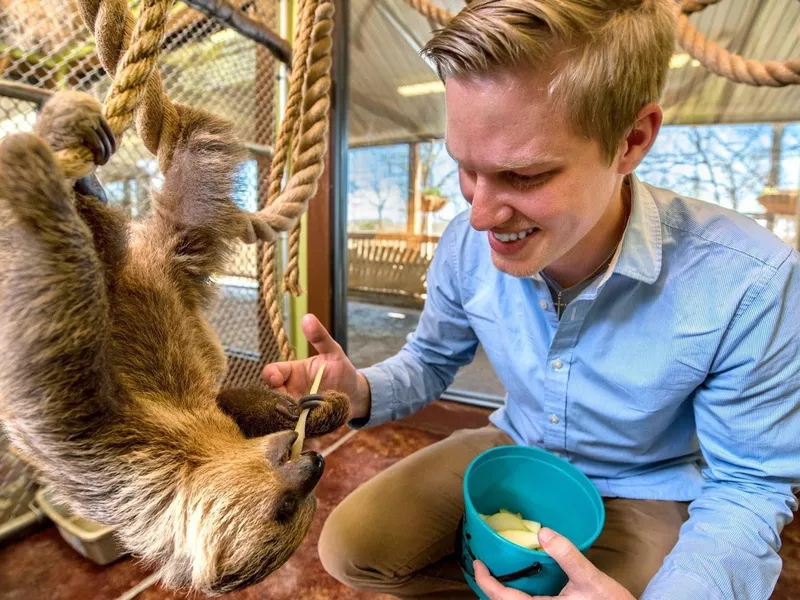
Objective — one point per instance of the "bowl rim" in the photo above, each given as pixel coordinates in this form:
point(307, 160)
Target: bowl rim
point(570, 470)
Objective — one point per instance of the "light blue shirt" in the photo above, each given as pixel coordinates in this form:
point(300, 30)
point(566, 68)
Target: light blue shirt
point(673, 377)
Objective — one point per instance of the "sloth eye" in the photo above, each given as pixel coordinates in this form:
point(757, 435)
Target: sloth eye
point(287, 508)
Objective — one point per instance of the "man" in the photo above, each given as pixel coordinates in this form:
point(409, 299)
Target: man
point(649, 339)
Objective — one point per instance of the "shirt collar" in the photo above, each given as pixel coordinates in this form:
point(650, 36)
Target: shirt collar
point(639, 255)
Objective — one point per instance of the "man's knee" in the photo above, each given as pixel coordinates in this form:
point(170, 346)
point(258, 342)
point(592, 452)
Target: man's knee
point(403, 520)
point(350, 550)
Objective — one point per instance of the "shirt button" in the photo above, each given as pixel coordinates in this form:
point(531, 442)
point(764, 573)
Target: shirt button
point(554, 419)
point(557, 364)
point(543, 304)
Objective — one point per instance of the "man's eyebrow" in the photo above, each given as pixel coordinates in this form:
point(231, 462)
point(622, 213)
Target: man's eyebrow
point(538, 159)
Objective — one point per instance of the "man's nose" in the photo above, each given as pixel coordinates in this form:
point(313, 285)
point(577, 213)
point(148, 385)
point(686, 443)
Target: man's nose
point(488, 208)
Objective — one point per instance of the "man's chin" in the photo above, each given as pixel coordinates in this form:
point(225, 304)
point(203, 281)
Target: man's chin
point(515, 267)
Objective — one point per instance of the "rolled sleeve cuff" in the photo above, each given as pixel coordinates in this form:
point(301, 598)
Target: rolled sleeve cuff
point(382, 395)
point(679, 585)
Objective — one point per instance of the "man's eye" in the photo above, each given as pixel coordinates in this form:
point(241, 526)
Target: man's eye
point(526, 181)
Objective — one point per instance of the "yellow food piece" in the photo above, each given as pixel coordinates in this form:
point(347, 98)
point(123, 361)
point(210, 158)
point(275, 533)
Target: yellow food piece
point(514, 528)
point(533, 526)
point(526, 539)
point(297, 447)
point(504, 521)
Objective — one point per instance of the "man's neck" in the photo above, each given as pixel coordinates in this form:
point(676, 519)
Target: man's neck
point(598, 246)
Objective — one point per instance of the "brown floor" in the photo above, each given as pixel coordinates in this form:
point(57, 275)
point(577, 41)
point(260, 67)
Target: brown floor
point(42, 566)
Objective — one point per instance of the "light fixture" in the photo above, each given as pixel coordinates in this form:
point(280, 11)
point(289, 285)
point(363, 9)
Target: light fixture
point(395, 315)
point(421, 89)
point(678, 61)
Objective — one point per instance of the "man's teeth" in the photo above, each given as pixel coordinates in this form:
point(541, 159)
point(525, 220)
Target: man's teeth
point(513, 237)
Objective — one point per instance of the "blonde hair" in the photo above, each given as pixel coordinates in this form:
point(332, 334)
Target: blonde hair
point(613, 55)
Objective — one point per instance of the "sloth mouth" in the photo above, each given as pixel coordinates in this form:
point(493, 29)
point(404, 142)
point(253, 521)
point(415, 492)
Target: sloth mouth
point(313, 470)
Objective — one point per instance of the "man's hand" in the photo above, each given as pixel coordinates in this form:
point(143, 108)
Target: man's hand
point(586, 582)
point(295, 377)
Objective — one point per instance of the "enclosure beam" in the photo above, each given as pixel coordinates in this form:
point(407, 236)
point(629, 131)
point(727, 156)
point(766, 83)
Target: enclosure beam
point(338, 224)
point(413, 184)
point(24, 92)
point(251, 28)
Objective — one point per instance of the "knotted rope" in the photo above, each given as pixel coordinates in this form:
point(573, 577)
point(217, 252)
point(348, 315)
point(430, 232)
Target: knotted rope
point(714, 58)
point(726, 64)
point(132, 49)
point(129, 51)
point(303, 133)
point(430, 11)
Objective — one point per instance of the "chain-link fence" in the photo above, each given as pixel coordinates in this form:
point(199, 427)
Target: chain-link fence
point(45, 44)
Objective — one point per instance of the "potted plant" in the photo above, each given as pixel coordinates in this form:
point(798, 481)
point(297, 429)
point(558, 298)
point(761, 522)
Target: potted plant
point(431, 200)
point(779, 202)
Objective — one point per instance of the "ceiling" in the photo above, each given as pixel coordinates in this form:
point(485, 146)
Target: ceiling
point(386, 36)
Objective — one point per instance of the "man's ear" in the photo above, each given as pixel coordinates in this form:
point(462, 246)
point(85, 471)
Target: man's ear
point(640, 138)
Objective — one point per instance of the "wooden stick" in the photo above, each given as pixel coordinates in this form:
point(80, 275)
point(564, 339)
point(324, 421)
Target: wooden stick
point(297, 447)
point(317, 379)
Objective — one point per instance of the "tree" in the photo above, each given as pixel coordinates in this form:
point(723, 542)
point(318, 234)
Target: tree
point(729, 165)
point(378, 177)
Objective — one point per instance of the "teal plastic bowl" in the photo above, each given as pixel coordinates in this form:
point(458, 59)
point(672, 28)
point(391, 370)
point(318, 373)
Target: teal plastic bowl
point(543, 488)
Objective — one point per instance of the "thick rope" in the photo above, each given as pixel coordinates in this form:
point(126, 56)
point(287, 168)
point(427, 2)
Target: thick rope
point(131, 60)
point(430, 11)
point(158, 119)
point(137, 92)
point(303, 130)
point(722, 62)
point(141, 43)
point(291, 118)
point(692, 6)
point(714, 58)
point(291, 279)
point(290, 126)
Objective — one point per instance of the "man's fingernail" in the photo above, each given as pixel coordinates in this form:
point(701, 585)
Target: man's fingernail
point(546, 535)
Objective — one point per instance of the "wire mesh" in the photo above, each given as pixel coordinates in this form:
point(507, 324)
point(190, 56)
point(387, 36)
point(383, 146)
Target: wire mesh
point(18, 486)
point(45, 44)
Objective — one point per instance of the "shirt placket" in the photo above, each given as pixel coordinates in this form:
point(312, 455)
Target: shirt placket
point(557, 370)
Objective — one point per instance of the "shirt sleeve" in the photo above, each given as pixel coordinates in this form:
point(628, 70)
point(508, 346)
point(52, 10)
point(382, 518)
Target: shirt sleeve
point(748, 425)
point(442, 343)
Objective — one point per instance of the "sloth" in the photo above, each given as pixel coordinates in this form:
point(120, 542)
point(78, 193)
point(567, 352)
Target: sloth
point(111, 376)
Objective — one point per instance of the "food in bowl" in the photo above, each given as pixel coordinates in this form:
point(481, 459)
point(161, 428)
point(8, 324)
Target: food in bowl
point(514, 528)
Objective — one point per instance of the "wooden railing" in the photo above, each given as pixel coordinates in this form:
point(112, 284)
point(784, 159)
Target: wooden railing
point(389, 268)
point(385, 268)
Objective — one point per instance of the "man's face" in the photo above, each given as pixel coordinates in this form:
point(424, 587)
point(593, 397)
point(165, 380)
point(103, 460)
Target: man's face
point(535, 186)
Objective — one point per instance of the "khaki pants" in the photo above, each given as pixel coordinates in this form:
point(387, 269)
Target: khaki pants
point(395, 534)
